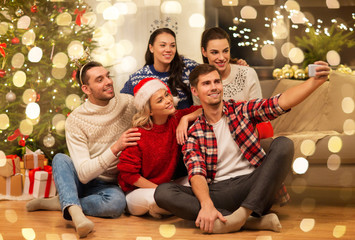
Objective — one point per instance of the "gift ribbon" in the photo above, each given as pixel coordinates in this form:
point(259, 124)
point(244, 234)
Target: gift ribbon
point(78, 16)
point(2, 51)
point(8, 186)
point(13, 157)
point(16, 134)
point(31, 176)
point(35, 156)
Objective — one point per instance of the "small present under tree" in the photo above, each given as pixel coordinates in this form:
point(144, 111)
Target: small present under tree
point(39, 42)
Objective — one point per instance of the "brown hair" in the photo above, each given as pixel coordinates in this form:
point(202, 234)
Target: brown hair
point(81, 73)
point(201, 70)
point(212, 34)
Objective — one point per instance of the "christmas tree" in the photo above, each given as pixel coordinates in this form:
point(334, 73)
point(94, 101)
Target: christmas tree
point(41, 44)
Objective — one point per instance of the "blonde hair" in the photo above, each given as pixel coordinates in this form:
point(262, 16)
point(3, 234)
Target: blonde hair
point(142, 118)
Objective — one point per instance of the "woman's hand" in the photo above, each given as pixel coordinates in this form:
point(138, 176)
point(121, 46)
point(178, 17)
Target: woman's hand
point(181, 130)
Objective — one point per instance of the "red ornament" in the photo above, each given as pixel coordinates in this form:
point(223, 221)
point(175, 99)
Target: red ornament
point(68, 114)
point(73, 75)
point(2, 73)
point(34, 9)
point(22, 142)
point(15, 40)
point(38, 97)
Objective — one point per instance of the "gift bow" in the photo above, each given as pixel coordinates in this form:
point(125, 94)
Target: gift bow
point(78, 17)
point(31, 176)
point(13, 157)
point(2, 51)
point(35, 156)
point(15, 135)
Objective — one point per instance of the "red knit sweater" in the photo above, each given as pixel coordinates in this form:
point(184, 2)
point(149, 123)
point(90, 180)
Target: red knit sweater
point(156, 155)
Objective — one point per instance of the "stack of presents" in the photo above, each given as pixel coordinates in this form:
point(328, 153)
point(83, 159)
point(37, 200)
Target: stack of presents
point(28, 176)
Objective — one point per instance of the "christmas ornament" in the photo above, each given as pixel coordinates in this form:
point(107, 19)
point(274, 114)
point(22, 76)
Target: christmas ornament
point(277, 73)
point(10, 96)
point(300, 74)
point(34, 8)
point(48, 140)
point(15, 40)
point(2, 50)
point(287, 73)
point(78, 16)
point(2, 73)
point(19, 12)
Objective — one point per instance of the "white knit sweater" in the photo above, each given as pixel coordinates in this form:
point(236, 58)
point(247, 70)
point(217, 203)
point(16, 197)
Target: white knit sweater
point(90, 132)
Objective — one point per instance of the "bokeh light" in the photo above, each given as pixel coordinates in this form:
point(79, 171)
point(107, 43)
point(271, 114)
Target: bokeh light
point(28, 233)
point(26, 127)
point(64, 19)
point(248, 12)
point(110, 13)
point(263, 238)
point(69, 236)
point(171, 7)
point(2, 159)
point(291, 5)
point(298, 185)
point(17, 60)
point(128, 64)
point(144, 238)
point(52, 236)
point(28, 38)
point(89, 19)
point(60, 60)
point(333, 58)
point(4, 121)
point(296, 55)
point(347, 105)
point(19, 79)
point(230, 2)
point(35, 54)
point(307, 224)
point(298, 17)
point(349, 127)
point(269, 52)
point(267, 2)
point(11, 216)
point(333, 162)
point(197, 20)
point(308, 147)
point(286, 47)
point(339, 231)
point(59, 73)
point(300, 165)
point(58, 118)
point(29, 95)
point(335, 144)
point(4, 26)
point(100, 8)
point(167, 230)
point(126, 46)
point(75, 49)
point(332, 4)
point(72, 101)
point(33, 110)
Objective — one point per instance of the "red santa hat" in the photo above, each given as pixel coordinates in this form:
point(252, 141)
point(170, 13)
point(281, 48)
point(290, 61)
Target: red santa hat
point(145, 89)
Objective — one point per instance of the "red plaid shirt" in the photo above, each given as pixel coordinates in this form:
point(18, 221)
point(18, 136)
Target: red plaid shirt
point(200, 149)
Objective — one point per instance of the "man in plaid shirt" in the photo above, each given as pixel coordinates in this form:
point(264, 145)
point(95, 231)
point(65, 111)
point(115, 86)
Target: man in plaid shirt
point(231, 176)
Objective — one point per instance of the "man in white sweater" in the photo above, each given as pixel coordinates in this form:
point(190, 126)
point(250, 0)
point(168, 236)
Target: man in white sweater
point(96, 133)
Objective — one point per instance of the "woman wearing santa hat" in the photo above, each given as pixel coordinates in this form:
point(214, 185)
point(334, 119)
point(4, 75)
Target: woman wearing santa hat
point(154, 159)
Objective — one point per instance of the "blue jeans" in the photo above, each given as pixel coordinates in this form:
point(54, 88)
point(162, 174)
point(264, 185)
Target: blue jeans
point(96, 198)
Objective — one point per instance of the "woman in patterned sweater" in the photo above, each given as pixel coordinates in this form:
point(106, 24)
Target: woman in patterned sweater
point(162, 61)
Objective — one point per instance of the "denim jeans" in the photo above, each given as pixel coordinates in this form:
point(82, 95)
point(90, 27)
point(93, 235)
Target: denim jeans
point(255, 191)
point(96, 198)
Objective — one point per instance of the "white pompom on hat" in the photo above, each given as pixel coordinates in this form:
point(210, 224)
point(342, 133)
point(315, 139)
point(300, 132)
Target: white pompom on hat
point(145, 89)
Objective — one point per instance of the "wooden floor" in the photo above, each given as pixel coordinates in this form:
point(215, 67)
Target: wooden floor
point(299, 221)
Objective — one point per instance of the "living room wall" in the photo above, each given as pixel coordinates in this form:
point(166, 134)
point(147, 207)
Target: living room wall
point(227, 14)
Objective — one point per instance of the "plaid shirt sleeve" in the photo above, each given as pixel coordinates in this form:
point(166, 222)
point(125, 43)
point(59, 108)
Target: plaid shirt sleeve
point(262, 110)
point(193, 157)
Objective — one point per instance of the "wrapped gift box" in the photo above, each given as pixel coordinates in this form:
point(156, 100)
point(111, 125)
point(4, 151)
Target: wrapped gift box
point(11, 167)
point(43, 185)
point(26, 186)
point(11, 185)
point(33, 160)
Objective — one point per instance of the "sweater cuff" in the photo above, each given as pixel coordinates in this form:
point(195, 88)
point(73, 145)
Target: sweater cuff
point(107, 158)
